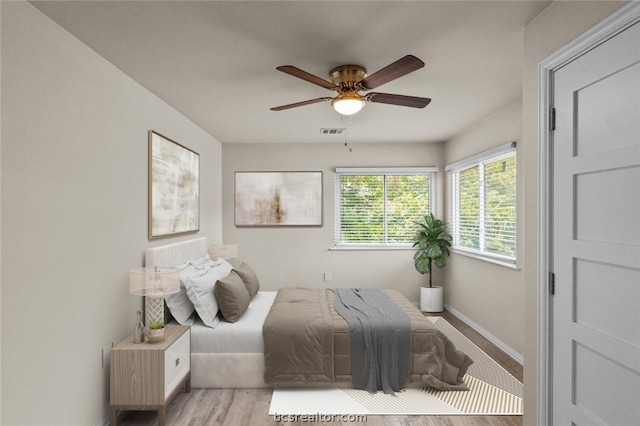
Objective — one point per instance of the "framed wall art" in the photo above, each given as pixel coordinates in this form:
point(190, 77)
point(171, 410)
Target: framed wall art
point(174, 188)
point(278, 198)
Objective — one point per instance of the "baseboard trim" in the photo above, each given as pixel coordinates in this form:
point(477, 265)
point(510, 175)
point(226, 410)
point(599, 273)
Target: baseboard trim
point(493, 339)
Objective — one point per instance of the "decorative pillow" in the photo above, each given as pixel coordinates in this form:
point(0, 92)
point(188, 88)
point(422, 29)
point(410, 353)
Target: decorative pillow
point(232, 297)
point(201, 294)
point(179, 304)
point(249, 279)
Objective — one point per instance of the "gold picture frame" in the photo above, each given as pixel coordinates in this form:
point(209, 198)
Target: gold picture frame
point(174, 188)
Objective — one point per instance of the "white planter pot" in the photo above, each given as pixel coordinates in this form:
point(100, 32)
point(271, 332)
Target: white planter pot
point(432, 299)
point(155, 335)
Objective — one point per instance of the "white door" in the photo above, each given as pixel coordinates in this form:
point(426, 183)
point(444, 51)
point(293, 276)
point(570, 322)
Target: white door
point(596, 236)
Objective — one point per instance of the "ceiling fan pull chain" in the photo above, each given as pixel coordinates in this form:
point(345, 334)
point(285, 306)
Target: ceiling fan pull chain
point(346, 122)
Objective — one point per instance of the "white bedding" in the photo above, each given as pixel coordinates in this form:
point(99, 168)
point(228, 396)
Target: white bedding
point(243, 336)
point(233, 368)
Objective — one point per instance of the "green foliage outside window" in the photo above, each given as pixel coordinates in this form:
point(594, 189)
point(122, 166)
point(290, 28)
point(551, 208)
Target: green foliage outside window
point(484, 210)
point(382, 209)
point(469, 210)
point(500, 210)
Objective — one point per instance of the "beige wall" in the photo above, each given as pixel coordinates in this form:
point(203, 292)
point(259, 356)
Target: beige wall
point(287, 256)
point(74, 215)
point(558, 25)
point(490, 295)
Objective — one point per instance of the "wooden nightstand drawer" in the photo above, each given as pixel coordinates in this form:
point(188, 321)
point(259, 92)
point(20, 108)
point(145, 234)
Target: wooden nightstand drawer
point(177, 363)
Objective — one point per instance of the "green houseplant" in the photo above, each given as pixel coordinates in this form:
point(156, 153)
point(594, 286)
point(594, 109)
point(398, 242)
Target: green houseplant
point(156, 325)
point(155, 331)
point(433, 243)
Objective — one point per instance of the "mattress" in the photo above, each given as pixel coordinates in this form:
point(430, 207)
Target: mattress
point(242, 336)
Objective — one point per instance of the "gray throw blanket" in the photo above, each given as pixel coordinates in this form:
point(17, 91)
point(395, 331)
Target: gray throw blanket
point(379, 339)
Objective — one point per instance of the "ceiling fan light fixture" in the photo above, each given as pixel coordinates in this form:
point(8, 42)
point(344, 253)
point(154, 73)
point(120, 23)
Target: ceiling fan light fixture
point(348, 104)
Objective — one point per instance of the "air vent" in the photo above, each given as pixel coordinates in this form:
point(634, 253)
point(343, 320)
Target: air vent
point(335, 131)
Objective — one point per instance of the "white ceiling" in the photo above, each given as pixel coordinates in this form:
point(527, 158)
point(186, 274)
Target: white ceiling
point(215, 62)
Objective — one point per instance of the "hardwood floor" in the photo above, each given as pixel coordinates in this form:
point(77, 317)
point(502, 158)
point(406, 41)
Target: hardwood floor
point(240, 407)
point(508, 363)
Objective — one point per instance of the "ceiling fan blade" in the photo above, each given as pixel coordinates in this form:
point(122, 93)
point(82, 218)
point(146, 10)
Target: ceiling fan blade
point(297, 72)
point(397, 69)
point(402, 100)
point(299, 104)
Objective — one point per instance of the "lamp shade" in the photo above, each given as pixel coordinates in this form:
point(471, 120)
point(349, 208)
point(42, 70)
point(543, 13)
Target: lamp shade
point(225, 251)
point(154, 282)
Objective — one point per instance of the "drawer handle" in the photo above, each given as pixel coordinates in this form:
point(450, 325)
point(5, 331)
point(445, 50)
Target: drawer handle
point(177, 362)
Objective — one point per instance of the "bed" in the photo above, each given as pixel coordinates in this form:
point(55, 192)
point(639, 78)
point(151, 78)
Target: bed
point(231, 353)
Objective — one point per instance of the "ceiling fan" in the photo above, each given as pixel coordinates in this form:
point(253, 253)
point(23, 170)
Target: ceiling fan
point(349, 80)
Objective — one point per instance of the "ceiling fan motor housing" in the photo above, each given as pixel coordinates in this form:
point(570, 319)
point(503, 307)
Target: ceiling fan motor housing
point(347, 75)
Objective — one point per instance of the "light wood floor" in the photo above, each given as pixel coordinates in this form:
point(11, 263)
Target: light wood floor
point(240, 407)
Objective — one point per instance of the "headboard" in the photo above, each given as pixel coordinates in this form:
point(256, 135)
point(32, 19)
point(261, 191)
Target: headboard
point(174, 254)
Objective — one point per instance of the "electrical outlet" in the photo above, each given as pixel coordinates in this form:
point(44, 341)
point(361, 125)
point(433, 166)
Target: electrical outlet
point(327, 277)
point(106, 356)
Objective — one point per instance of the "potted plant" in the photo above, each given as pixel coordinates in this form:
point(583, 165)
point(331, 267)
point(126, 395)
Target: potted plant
point(433, 244)
point(155, 331)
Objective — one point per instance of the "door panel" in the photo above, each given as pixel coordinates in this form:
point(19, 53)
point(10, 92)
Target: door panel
point(617, 94)
point(600, 284)
point(606, 211)
point(596, 236)
point(608, 380)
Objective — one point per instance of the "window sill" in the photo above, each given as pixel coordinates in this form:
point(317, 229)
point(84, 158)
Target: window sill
point(370, 247)
point(495, 259)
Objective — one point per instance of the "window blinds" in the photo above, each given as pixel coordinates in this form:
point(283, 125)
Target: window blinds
point(483, 203)
point(378, 206)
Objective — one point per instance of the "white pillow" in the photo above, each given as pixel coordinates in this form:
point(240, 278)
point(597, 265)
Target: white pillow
point(179, 304)
point(200, 291)
point(206, 259)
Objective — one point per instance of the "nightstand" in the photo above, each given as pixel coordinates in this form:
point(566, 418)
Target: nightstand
point(146, 376)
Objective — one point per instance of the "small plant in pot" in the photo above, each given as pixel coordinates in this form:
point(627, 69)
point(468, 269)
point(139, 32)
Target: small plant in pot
point(433, 244)
point(155, 331)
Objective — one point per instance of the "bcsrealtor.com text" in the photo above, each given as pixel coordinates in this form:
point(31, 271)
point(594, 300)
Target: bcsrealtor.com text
point(320, 418)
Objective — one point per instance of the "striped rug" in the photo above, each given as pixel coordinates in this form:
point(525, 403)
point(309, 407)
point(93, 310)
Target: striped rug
point(493, 391)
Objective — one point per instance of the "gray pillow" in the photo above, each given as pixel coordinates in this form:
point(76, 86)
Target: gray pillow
point(249, 279)
point(232, 296)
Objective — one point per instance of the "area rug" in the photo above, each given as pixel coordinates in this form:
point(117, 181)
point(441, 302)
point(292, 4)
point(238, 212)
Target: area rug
point(493, 391)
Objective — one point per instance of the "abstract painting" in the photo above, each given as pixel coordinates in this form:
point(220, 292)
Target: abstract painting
point(278, 199)
point(174, 199)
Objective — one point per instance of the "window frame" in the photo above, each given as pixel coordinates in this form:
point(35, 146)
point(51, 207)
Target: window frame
point(432, 171)
point(498, 153)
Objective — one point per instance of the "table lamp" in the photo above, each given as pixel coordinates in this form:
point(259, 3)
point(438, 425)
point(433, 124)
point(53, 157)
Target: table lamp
point(154, 283)
point(225, 251)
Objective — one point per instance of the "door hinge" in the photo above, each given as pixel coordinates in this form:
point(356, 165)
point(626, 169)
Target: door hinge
point(552, 283)
point(552, 119)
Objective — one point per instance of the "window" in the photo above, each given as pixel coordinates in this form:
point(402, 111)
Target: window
point(377, 207)
point(482, 216)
